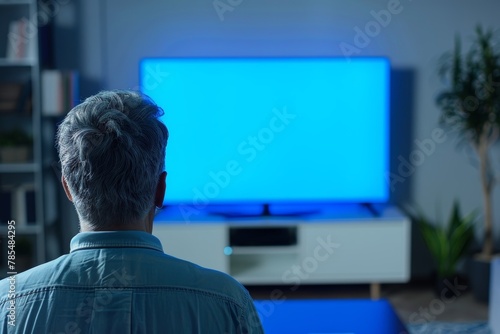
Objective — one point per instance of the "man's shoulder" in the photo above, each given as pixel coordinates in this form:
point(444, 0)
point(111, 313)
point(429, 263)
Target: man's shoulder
point(34, 278)
point(159, 272)
point(196, 277)
point(38, 272)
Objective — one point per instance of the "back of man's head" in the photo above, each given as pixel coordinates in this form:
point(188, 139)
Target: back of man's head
point(112, 152)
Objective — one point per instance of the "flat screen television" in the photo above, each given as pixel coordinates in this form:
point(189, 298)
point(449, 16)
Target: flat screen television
point(273, 130)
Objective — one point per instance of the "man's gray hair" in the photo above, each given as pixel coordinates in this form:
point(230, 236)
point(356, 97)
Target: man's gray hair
point(112, 152)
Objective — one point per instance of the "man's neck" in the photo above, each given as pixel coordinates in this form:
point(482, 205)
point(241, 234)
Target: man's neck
point(144, 225)
point(86, 228)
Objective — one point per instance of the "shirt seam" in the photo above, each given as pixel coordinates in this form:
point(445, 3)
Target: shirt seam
point(133, 288)
point(243, 313)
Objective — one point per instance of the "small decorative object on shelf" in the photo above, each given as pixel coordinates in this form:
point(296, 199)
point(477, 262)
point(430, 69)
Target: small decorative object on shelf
point(15, 147)
point(9, 96)
point(24, 204)
point(20, 40)
point(18, 200)
point(59, 91)
point(15, 97)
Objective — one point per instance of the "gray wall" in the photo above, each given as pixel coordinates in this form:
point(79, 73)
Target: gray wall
point(115, 34)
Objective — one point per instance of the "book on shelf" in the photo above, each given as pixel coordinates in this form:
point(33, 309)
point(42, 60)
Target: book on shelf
point(60, 91)
point(9, 96)
point(21, 40)
point(15, 97)
point(18, 203)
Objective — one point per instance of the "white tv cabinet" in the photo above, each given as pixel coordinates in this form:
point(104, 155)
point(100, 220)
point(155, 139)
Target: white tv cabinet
point(346, 247)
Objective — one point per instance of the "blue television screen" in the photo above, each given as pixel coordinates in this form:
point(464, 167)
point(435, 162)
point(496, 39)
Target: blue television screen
point(273, 130)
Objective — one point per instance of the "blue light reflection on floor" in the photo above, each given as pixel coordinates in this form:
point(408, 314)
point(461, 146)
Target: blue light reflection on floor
point(329, 316)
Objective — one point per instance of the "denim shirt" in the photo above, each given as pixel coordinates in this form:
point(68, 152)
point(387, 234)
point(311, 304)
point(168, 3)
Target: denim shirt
point(122, 282)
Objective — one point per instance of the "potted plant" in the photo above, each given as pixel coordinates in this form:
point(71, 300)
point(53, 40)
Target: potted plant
point(447, 243)
point(15, 146)
point(470, 104)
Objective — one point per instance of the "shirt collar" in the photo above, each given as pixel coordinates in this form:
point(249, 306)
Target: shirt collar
point(115, 239)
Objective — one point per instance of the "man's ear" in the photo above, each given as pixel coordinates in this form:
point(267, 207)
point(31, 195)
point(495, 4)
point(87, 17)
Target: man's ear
point(161, 187)
point(66, 188)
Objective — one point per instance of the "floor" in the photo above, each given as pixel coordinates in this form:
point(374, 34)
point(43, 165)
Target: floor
point(414, 303)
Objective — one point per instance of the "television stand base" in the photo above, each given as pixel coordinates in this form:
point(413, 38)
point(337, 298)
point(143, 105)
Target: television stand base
point(336, 248)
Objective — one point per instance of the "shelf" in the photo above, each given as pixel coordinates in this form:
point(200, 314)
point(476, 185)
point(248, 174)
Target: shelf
point(262, 268)
point(4, 62)
point(22, 229)
point(15, 114)
point(15, 2)
point(264, 250)
point(18, 168)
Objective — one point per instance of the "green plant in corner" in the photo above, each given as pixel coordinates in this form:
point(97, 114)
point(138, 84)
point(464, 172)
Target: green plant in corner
point(471, 105)
point(448, 243)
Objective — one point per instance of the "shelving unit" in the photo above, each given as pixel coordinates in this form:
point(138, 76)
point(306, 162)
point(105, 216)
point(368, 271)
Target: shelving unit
point(4, 62)
point(24, 70)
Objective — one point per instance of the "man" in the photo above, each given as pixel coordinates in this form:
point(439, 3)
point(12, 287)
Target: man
point(116, 278)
